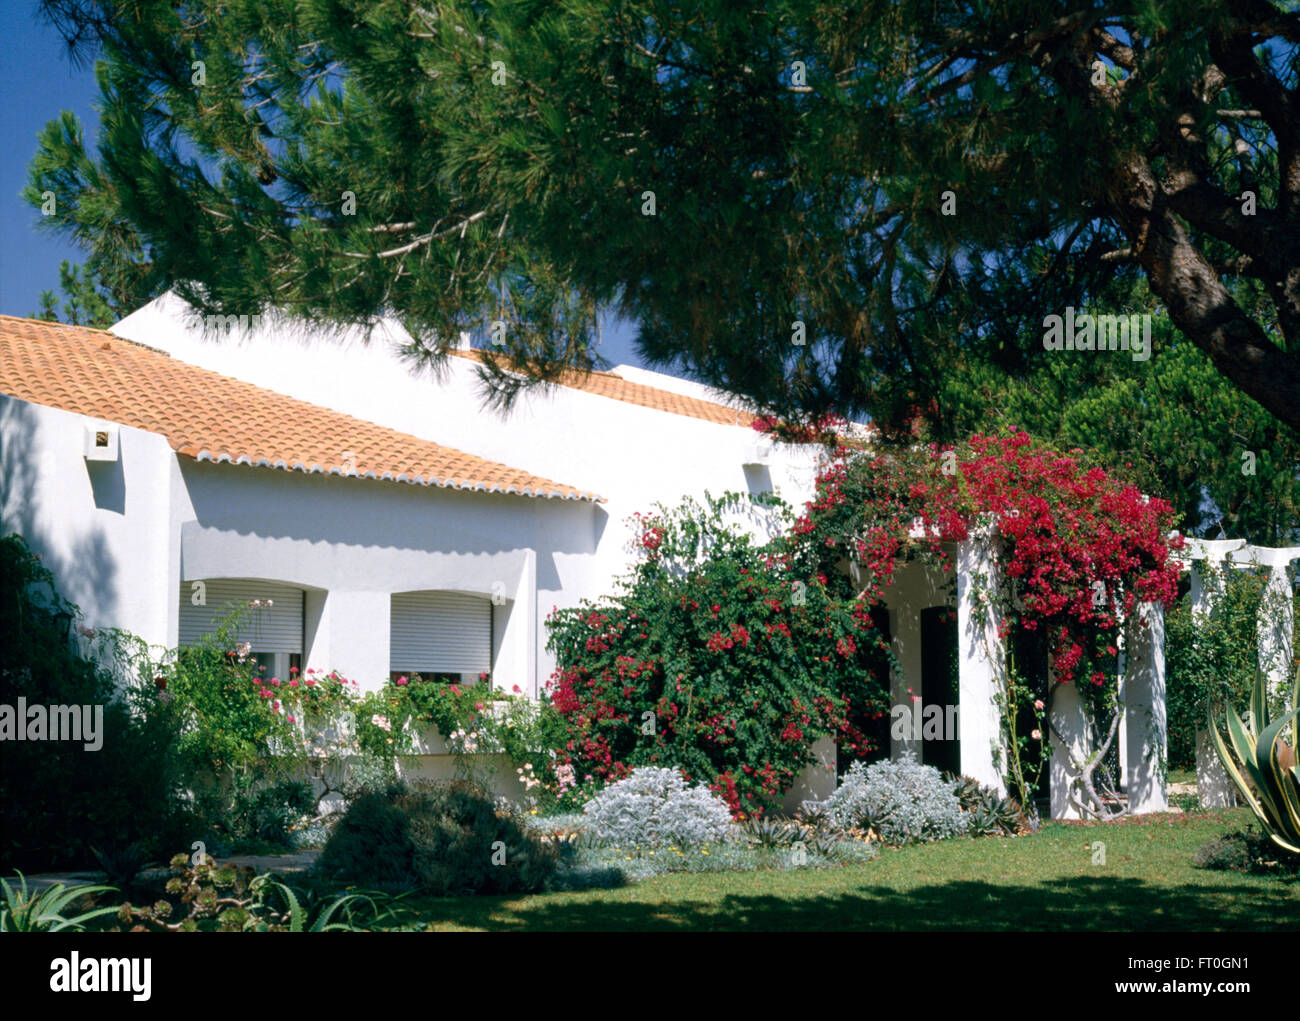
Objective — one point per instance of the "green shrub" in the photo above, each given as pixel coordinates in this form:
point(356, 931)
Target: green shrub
point(447, 838)
point(1247, 851)
point(1228, 853)
point(60, 802)
point(268, 814)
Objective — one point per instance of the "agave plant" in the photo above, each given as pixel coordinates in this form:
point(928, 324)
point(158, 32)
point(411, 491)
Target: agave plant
point(339, 915)
point(988, 812)
point(26, 910)
point(1262, 762)
point(771, 832)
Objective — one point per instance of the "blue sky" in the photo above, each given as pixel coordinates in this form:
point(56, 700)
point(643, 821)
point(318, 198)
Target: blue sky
point(37, 82)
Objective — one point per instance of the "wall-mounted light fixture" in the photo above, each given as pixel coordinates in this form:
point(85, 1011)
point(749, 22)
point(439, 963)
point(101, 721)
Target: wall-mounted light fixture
point(101, 441)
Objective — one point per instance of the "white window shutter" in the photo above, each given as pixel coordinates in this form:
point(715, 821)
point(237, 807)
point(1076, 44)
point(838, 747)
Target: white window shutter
point(440, 632)
point(274, 628)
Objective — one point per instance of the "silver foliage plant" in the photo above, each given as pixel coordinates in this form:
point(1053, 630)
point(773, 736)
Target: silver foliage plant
point(655, 807)
point(905, 802)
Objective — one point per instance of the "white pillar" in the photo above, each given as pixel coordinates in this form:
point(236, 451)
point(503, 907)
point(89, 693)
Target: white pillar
point(1276, 616)
point(1213, 788)
point(515, 662)
point(982, 662)
point(1121, 643)
point(816, 781)
point(1144, 710)
point(1069, 747)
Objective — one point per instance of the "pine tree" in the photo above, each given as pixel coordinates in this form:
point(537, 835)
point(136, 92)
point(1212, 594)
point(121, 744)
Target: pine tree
point(84, 303)
point(817, 205)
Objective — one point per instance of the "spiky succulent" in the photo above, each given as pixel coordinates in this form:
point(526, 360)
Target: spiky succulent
point(1262, 762)
point(772, 832)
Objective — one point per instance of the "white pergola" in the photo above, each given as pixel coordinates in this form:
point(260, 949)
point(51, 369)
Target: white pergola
point(982, 659)
point(1275, 630)
point(1142, 730)
point(1142, 736)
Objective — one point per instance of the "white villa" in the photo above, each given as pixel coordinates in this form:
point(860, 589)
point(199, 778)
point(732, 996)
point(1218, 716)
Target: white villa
point(384, 522)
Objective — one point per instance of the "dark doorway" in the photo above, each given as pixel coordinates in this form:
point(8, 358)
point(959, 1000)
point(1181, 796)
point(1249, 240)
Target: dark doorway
point(1029, 664)
point(941, 745)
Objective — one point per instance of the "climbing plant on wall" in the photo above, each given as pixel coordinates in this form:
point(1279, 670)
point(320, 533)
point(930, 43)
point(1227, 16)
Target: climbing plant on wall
point(1077, 549)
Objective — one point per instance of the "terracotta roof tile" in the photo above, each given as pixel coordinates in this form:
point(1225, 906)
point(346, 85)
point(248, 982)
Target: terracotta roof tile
point(209, 417)
point(615, 387)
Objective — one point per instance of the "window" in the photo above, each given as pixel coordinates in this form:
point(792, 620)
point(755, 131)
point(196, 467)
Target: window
point(434, 677)
point(446, 634)
point(272, 626)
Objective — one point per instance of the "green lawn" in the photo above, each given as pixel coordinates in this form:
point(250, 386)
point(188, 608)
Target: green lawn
point(1045, 881)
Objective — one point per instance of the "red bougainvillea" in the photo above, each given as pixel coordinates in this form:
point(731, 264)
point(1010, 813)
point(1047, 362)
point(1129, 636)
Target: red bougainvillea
point(1080, 548)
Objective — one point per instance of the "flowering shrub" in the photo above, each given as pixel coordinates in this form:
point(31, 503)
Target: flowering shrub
point(474, 720)
point(716, 659)
point(903, 801)
point(654, 807)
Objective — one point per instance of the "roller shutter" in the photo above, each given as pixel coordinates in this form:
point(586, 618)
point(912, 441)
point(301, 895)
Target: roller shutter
point(440, 632)
point(277, 628)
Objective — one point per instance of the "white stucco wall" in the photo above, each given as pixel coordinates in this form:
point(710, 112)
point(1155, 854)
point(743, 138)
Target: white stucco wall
point(120, 536)
point(101, 527)
point(356, 541)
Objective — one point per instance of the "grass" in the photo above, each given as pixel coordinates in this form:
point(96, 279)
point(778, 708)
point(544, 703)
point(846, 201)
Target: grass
point(1046, 881)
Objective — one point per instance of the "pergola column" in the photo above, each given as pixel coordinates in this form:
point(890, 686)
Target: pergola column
point(1069, 746)
point(1145, 730)
point(1213, 788)
point(981, 661)
point(1276, 614)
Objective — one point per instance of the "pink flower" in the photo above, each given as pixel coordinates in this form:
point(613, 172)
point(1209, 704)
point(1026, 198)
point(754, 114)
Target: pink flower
point(401, 680)
point(310, 683)
point(293, 684)
point(289, 718)
point(275, 681)
point(1038, 703)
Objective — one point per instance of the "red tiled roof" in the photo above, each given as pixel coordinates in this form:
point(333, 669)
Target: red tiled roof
point(615, 387)
point(209, 417)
